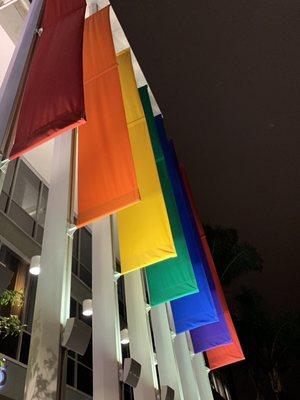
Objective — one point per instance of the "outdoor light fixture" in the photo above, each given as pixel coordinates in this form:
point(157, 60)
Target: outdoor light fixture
point(87, 307)
point(35, 265)
point(124, 336)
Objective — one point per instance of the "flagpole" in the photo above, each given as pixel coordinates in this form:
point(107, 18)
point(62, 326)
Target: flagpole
point(13, 82)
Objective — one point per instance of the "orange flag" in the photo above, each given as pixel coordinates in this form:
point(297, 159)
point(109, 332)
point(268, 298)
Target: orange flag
point(106, 174)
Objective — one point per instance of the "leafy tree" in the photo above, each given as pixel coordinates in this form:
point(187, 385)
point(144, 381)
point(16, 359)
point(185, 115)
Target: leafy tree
point(11, 325)
point(231, 256)
point(270, 344)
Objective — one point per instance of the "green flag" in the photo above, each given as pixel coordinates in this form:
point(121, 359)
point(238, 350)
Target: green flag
point(173, 278)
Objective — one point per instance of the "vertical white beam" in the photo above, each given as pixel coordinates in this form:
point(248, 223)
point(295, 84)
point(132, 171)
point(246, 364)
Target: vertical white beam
point(167, 364)
point(9, 91)
point(140, 340)
point(201, 374)
point(188, 381)
point(42, 371)
point(105, 325)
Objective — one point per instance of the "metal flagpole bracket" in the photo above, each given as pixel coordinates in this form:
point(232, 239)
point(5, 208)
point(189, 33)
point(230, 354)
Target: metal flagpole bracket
point(4, 165)
point(71, 229)
point(39, 31)
point(192, 354)
point(147, 307)
point(117, 275)
point(173, 335)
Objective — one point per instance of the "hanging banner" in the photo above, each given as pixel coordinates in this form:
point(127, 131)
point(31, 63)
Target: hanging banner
point(145, 236)
point(52, 101)
point(173, 278)
point(216, 334)
point(225, 354)
point(106, 175)
point(196, 309)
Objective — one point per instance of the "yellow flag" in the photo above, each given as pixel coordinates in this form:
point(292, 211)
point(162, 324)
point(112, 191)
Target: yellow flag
point(144, 231)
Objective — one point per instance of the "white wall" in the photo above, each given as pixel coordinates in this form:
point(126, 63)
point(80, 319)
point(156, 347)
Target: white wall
point(6, 51)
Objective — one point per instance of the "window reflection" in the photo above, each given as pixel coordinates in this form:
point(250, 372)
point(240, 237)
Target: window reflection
point(82, 256)
point(24, 199)
point(43, 206)
point(26, 190)
point(86, 248)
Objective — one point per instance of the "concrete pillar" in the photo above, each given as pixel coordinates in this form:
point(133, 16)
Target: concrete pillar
point(42, 372)
point(201, 375)
point(188, 381)
point(106, 331)
point(166, 359)
point(140, 340)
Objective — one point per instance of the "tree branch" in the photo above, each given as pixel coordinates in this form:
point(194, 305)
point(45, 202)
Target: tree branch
point(231, 262)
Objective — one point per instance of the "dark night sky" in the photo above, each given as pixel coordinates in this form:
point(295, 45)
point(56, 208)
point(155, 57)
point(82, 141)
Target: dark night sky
point(226, 75)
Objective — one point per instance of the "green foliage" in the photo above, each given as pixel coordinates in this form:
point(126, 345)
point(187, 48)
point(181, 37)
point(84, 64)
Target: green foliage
point(11, 326)
point(12, 297)
point(270, 344)
point(231, 256)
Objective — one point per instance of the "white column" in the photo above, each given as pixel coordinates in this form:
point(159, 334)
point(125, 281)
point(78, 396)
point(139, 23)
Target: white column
point(201, 375)
point(188, 381)
point(10, 88)
point(167, 364)
point(42, 371)
point(140, 341)
point(106, 330)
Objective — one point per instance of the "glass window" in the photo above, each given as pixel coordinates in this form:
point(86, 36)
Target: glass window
point(85, 276)
point(87, 358)
point(9, 345)
point(73, 308)
point(30, 301)
point(71, 372)
point(21, 218)
point(39, 234)
point(26, 190)
point(84, 379)
point(75, 244)
point(74, 266)
point(9, 176)
point(24, 354)
point(43, 206)
point(86, 248)
point(3, 201)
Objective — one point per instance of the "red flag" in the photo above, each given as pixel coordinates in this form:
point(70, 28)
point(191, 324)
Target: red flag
point(53, 101)
point(230, 353)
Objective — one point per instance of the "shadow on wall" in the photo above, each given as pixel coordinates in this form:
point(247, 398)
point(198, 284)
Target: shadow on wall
point(43, 383)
